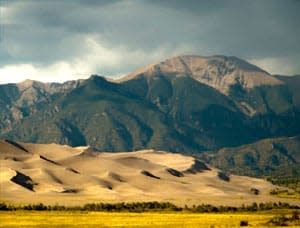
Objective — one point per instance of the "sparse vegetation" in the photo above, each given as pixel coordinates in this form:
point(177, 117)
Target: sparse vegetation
point(4, 207)
point(223, 176)
point(290, 182)
point(150, 206)
point(276, 159)
point(254, 191)
point(244, 223)
point(285, 220)
point(285, 193)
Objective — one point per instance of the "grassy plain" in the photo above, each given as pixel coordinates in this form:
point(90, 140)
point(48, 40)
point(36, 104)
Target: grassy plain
point(78, 219)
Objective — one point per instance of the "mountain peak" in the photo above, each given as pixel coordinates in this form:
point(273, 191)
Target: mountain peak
point(28, 83)
point(229, 61)
point(95, 77)
point(219, 72)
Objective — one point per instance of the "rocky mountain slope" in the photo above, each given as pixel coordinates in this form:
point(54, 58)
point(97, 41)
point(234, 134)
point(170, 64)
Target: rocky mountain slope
point(276, 158)
point(18, 101)
point(219, 72)
point(185, 104)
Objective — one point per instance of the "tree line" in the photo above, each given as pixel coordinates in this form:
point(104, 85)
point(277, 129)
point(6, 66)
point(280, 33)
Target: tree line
point(148, 207)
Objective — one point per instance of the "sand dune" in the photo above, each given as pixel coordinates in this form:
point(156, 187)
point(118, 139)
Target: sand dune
point(56, 174)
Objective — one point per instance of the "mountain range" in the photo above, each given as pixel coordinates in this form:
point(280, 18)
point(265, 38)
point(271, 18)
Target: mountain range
point(189, 104)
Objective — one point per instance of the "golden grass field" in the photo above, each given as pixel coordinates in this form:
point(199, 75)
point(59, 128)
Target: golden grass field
point(106, 219)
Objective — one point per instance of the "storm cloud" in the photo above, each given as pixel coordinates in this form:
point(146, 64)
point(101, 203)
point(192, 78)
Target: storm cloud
point(60, 40)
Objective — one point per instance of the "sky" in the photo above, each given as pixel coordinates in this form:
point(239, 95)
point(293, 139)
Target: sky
point(59, 40)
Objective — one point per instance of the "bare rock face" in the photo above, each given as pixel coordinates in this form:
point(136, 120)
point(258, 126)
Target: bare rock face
point(34, 91)
point(16, 113)
point(219, 72)
point(29, 93)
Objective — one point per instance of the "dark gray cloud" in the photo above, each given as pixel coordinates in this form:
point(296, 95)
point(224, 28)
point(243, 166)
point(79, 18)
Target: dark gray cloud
point(113, 37)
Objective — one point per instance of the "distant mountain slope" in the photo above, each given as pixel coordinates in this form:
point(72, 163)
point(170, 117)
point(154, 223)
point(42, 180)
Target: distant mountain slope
point(167, 106)
point(292, 82)
point(278, 158)
point(18, 101)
